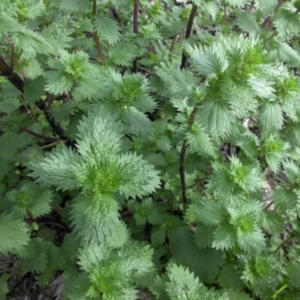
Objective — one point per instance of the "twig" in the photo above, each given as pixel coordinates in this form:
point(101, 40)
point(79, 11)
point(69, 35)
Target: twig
point(188, 32)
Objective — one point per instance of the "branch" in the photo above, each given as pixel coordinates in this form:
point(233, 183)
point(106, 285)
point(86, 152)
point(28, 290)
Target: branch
point(188, 32)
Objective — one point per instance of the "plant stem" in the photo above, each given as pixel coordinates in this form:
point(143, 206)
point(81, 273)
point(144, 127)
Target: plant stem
point(14, 78)
point(96, 37)
point(268, 19)
point(182, 158)
point(173, 43)
point(135, 28)
point(188, 33)
point(39, 136)
point(12, 52)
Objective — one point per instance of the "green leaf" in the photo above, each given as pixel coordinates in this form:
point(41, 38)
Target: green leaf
point(247, 22)
point(123, 53)
point(74, 5)
point(183, 285)
point(210, 212)
point(208, 60)
point(9, 145)
point(211, 8)
point(270, 117)
point(107, 28)
point(199, 141)
point(293, 272)
point(204, 236)
point(136, 121)
point(261, 87)
point(267, 6)
point(119, 237)
point(237, 295)
point(216, 117)
point(57, 168)
point(237, 3)
point(13, 234)
point(34, 89)
point(287, 53)
point(30, 198)
point(179, 83)
point(204, 263)
point(287, 23)
point(229, 277)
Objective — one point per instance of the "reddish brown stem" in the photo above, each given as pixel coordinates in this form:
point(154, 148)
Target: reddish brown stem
point(96, 37)
point(188, 33)
point(182, 158)
point(135, 29)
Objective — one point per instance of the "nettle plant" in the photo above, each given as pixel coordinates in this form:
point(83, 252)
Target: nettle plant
point(152, 146)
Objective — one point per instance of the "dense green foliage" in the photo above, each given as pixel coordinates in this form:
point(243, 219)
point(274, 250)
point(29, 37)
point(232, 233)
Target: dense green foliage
point(152, 146)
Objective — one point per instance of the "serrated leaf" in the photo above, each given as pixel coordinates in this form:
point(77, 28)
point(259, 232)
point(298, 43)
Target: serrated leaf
point(9, 105)
point(209, 212)
point(287, 23)
point(199, 141)
point(13, 234)
point(119, 236)
point(34, 89)
point(224, 237)
point(216, 116)
point(267, 6)
point(9, 145)
point(205, 263)
point(212, 8)
point(261, 87)
point(136, 121)
point(293, 272)
point(208, 60)
point(271, 118)
point(107, 28)
point(204, 235)
point(237, 3)
point(230, 278)
point(74, 5)
point(123, 53)
point(179, 83)
point(247, 22)
point(237, 295)
point(158, 236)
point(287, 53)
point(58, 168)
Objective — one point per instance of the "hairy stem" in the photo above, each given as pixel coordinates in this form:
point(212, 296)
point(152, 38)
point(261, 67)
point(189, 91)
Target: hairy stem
point(182, 158)
point(135, 28)
point(188, 33)
point(96, 37)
